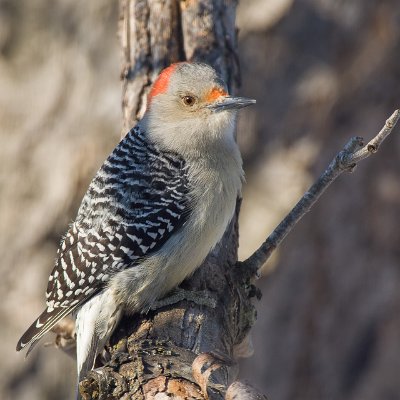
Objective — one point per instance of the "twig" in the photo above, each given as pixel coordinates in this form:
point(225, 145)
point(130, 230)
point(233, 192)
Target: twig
point(353, 152)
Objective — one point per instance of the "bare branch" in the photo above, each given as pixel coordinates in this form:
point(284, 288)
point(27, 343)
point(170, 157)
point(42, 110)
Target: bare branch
point(353, 152)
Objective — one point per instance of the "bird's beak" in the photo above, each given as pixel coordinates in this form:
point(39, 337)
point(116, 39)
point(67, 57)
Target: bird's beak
point(230, 103)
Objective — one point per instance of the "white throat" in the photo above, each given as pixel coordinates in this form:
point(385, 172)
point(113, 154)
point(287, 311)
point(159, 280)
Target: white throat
point(210, 137)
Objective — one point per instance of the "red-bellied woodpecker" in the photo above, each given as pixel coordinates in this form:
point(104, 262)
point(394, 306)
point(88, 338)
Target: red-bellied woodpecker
point(157, 206)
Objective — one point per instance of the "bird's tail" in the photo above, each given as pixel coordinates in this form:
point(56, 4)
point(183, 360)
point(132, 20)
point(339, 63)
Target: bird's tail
point(95, 322)
point(46, 320)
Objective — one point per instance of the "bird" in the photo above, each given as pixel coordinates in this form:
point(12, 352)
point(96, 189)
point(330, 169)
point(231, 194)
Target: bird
point(157, 206)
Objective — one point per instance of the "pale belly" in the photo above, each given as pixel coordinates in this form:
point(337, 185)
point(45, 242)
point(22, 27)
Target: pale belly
point(138, 287)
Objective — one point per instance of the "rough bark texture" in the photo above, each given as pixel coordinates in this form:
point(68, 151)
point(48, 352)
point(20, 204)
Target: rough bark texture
point(185, 349)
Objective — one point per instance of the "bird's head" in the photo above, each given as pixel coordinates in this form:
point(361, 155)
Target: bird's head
point(189, 103)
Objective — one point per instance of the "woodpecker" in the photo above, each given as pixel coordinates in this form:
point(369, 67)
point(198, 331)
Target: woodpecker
point(157, 206)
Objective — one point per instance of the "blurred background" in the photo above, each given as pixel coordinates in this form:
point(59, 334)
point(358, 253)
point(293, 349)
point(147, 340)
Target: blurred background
point(322, 71)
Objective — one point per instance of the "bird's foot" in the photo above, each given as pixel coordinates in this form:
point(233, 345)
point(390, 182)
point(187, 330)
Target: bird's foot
point(201, 297)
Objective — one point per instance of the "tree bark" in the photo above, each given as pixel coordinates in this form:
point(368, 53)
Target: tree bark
point(156, 33)
point(186, 348)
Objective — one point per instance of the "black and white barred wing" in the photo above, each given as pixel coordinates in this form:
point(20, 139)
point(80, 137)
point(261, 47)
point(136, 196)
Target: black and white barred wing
point(127, 214)
point(88, 262)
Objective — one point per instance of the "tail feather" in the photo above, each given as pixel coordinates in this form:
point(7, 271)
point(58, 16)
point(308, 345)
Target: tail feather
point(88, 364)
point(95, 322)
point(46, 320)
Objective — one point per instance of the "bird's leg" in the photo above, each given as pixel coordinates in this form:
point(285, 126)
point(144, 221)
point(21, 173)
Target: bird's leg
point(202, 297)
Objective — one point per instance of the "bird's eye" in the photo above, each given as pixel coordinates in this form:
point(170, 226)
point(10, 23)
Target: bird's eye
point(188, 100)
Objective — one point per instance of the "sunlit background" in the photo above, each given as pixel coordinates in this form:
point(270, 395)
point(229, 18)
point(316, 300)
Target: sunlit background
point(321, 70)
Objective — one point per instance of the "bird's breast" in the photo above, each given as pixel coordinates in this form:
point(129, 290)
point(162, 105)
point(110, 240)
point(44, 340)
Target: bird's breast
point(214, 188)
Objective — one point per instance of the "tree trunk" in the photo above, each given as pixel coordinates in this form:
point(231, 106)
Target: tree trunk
point(187, 348)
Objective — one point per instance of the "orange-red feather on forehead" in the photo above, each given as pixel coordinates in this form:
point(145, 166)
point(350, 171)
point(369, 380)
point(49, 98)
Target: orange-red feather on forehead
point(215, 94)
point(161, 83)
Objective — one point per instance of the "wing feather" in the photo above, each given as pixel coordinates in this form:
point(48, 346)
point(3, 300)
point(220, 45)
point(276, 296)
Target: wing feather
point(137, 201)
